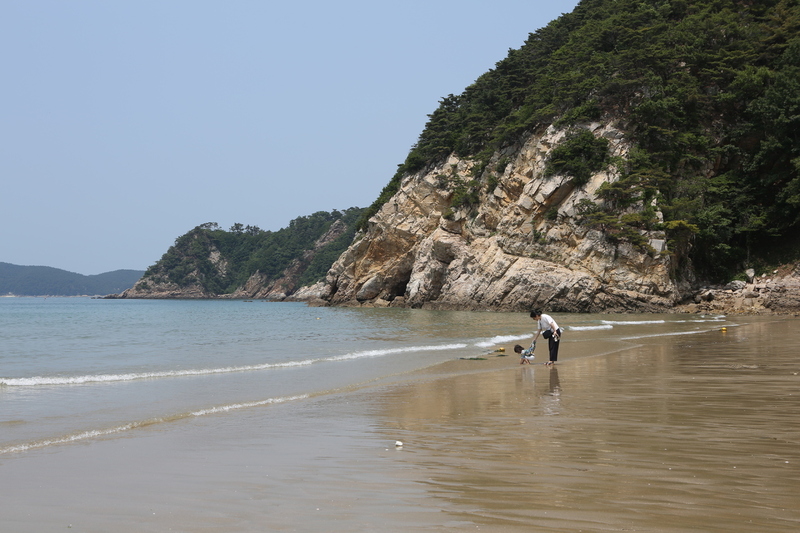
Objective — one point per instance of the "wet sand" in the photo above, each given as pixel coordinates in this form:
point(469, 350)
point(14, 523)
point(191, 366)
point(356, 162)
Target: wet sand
point(671, 434)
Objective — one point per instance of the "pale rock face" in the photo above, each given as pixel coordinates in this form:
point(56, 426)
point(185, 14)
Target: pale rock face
point(522, 246)
point(161, 287)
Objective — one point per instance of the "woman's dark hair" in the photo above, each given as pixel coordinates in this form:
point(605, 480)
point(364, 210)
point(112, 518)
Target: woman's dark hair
point(535, 313)
point(518, 348)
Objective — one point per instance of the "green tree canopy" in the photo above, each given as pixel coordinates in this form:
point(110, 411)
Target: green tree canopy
point(222, 261)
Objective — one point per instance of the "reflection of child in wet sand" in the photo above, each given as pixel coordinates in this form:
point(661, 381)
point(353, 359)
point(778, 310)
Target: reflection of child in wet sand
point(525, 356)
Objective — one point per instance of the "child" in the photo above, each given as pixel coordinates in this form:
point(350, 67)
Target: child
point(525, 356)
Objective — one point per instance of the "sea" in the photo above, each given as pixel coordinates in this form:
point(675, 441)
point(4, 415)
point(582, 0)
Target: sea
point(80, 377)
point(79, 368)
point(73, 369)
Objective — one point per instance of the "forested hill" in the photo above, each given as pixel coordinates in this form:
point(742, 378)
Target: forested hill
point(246, 261)
point(708, 95)
point(47, 281)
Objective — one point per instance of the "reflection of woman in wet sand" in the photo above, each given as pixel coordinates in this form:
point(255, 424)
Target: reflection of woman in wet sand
point(551, 395)
point(555, 384)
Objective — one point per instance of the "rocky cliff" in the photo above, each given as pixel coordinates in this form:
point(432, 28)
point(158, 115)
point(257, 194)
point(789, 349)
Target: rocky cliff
point(522, 244)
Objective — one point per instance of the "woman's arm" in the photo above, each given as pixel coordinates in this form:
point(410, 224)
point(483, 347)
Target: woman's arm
point(554, 329)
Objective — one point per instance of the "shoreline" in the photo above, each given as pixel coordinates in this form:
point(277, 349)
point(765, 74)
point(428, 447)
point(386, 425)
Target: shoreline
point(777, 293)
point(722, 301)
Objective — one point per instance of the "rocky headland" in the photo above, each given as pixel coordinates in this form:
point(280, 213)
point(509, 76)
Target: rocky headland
point(625, 158)
point(524, 245)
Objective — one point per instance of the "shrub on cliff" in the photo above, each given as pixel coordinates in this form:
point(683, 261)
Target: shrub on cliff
point(579, 156)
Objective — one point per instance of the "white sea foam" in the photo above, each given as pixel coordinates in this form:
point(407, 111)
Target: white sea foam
point(392, 351)
point(94, 433)
point(245, 405)
point(107, 378)
point(698, 320)
point(110, 378)
point(500, 339)
point(589, 328)
point(71, 438)
point(672, 334)
point(632, 322)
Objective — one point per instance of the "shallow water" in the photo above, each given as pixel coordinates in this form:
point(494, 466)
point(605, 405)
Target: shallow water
point(695, 435)
point(74, 369)
point(656, 423)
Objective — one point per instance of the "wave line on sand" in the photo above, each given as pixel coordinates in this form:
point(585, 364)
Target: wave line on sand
point(632, 322)
point(501, 339)
point(589, 328)
point(94, 433)
point(132, 376)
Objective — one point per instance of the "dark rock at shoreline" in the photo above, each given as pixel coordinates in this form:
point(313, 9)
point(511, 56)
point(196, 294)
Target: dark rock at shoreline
point(778, 293)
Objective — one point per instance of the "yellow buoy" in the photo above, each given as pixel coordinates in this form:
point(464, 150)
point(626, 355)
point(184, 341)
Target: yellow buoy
point(724, 329)
point(501, 349)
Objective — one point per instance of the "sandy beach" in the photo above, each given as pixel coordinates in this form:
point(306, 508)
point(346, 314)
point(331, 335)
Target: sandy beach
point(670, 434)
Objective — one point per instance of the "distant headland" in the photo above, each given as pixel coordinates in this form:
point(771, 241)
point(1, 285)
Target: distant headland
point(17, 280)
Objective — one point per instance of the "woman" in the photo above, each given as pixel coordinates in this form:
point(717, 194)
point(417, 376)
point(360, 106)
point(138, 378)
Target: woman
point(550, 331)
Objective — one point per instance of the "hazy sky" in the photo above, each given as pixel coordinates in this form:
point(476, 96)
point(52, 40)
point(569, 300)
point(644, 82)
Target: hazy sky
point(125, 124)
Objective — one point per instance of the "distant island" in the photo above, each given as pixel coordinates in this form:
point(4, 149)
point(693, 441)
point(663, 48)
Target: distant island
point(16, 280)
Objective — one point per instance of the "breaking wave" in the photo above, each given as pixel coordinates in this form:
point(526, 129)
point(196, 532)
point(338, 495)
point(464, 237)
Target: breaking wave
point(500, 339)
point(132, 376)
point(589, 328)
point(632, 322)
